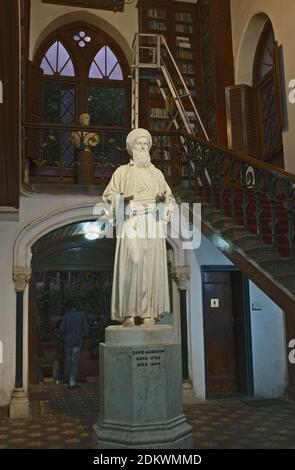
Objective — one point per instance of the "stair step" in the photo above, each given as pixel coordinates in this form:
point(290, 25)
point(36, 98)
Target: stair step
point(216, 217)
point(262, 253)
point(236, 232)
point(208, 210)
point(288, 282)
point(247, 244)
point(279, 266)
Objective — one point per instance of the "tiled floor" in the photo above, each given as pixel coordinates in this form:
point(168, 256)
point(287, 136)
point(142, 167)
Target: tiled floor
point(61, 418)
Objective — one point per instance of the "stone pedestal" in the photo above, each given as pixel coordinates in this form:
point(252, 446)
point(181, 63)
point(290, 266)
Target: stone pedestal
point(86, 168)
point(19, 405)
point(141, 391)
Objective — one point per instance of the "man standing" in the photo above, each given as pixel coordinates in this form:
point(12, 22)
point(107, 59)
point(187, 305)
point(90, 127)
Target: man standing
point(140, 282)
point(72, 329)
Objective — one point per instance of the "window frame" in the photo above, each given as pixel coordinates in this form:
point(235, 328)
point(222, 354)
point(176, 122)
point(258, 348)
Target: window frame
point(82, 59)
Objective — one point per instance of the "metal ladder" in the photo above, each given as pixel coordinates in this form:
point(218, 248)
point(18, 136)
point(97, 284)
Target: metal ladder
point(150, 58)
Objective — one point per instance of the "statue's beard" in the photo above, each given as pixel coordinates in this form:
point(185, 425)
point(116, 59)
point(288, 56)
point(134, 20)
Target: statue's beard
point(141, 158)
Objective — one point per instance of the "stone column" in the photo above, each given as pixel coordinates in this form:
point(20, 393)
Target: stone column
point(181, 275)
point(19, 405)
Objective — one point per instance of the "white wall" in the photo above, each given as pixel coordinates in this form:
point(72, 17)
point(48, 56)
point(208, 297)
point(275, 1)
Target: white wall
point(268, 339)
point(268, 345)
point(282, 16)
point(45, 18)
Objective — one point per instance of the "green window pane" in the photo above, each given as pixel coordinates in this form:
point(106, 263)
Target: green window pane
point(107, 105)
point(59, 103)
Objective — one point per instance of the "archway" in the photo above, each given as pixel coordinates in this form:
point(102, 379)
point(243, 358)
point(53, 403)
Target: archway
point(86, 17)
point(68, 266)
point(247, 49)
point(259, 67)
point(42, 226)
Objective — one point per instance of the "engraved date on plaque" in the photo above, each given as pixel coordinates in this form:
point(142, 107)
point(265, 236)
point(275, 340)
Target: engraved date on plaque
point(148, 358)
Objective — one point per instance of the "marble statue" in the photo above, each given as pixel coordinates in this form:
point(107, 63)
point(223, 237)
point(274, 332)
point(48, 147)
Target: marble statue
point(84, 140)
point(140, 282)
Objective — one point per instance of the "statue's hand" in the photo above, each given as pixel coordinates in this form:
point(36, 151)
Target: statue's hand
point(128, 198)
point(161, 197)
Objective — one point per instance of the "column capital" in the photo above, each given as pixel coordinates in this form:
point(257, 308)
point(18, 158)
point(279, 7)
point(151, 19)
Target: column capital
point(181, 275)
point(21, 277)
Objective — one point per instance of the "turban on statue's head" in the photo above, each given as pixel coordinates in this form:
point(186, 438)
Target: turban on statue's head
point(136, 134)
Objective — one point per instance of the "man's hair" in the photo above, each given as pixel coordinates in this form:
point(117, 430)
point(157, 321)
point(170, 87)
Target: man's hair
point(69, 304)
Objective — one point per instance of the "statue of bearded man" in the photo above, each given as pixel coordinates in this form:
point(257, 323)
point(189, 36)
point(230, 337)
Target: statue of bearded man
point(140, 282)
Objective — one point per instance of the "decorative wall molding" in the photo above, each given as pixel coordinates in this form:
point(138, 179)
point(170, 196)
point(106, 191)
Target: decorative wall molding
point(181, 275)
point(21, 277)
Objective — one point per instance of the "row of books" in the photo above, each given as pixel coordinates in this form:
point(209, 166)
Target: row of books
point(183, 42)
point(186, 68)
point(189, 81)
point(159, 113)
point(184, 28)
point(157, 25)
point(156, 13)
point(184, 17)
point(183, 54)
point(159, 125)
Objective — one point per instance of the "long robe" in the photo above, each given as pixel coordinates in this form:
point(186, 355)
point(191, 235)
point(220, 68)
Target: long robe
point(140, 282)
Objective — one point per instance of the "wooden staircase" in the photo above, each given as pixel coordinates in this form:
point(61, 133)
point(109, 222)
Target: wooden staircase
point(248, 212)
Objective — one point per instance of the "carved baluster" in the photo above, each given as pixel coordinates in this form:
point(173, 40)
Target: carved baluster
point(290, 215)
point(257, 195)
point(223, 180)
point(245, 195)
point(273, 211)
point(206, 157)
point(232, 189)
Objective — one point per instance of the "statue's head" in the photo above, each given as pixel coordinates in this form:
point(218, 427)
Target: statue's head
point(84, 119)
point(139, 142)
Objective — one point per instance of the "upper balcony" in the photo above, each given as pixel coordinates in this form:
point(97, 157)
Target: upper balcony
point(60, 159)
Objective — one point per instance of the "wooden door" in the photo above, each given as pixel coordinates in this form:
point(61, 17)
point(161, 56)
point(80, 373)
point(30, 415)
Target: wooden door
point(219, 334)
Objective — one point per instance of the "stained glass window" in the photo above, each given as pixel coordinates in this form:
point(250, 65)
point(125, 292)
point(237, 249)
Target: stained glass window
point(58, 107)
point(57, 61)
point(264, 58)
point(107, 105)
point(106, 65)
point(59, 102)
point(82, 39)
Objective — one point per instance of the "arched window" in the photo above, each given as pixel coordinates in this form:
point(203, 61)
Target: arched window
point(264, 57)
point(266, 81)
point(84, 70)
point(106, 65)
point(57, 61)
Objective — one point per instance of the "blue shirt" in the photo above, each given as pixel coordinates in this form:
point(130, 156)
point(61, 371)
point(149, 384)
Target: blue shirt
point(73, 327)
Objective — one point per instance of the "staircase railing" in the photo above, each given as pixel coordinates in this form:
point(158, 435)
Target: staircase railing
point(254, 194)
point(151, 52)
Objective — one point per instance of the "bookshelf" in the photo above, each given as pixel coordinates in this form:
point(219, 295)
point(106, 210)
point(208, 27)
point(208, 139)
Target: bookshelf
point(177, 22)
